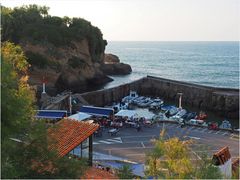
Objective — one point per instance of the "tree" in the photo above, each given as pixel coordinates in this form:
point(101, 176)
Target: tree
point(171, 159)
point(125, 172)
point(24, 142)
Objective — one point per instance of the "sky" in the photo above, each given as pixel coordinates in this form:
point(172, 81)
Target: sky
point(152, 20)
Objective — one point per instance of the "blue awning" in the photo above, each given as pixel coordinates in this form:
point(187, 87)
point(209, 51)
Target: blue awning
point(51, 114)
point(97, 111)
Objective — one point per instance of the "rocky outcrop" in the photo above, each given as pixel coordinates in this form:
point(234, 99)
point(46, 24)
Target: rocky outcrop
point(111, 59)
point(112, 66)
point(66, 68)
point(116, 69)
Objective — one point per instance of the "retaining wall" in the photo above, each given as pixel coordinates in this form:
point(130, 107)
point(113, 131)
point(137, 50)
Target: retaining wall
point(223, 101)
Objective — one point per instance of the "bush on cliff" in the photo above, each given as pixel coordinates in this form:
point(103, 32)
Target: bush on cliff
point(33, 23)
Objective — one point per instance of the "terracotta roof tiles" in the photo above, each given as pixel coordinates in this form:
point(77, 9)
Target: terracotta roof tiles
point(67, 134)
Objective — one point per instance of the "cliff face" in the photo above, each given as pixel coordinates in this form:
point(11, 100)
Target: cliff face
point(69, 68)
point(67, 52)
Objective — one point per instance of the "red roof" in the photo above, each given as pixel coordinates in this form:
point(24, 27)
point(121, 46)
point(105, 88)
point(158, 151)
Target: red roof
point(95, 173)
point(67, 134)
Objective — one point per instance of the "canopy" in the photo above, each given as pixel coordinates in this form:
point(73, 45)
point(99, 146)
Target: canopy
point(51, 114)
point(80, 116)
point(127, 113)
point(97, 111)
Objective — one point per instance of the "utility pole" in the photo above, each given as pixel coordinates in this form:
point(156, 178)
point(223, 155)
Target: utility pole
point(70, 103)
point(44, 85)
point(180, 100)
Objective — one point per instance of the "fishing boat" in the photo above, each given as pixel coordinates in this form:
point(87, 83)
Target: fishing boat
point(189, 115)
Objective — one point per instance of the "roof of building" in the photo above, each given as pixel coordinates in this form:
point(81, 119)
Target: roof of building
point(97, 111)
point(96, 173)
point(127, 113)
point(51, 114)
point(80, 116)
point(65, 135)
point(223, 155)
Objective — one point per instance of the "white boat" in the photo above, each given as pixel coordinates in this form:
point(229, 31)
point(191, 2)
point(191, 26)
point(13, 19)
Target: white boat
point(180, 113)
point(157, 103)
point(133, 95)
point(197, 122)
point(145, 102)
point(138, 100)
point(120, 106)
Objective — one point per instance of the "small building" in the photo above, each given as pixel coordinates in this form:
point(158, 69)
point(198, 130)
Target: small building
point(68, 135)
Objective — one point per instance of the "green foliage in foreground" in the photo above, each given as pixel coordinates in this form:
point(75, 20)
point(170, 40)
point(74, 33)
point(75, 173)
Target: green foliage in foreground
point(33, 23)
point(171, 159)
point(125, 172)
point(27, 156)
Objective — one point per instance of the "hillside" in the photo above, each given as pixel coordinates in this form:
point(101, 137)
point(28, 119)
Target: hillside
point(68, 52)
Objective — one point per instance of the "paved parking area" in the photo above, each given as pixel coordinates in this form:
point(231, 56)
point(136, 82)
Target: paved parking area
point(133, 145)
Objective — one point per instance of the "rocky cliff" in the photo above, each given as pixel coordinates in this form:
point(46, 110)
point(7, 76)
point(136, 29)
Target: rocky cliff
point(67, 52)
point(71, 68)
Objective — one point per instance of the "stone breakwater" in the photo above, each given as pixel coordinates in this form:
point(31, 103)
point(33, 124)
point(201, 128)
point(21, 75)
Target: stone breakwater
point(223, 101)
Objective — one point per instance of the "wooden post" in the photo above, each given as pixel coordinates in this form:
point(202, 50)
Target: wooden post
point(90, 150)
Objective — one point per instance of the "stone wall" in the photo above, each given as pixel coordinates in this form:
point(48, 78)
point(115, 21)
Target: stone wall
point(223, 101)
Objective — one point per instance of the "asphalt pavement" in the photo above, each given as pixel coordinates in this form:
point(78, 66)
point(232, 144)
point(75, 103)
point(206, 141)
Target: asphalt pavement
point(132, 145)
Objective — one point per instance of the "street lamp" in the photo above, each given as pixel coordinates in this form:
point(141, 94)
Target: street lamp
point(180, 100)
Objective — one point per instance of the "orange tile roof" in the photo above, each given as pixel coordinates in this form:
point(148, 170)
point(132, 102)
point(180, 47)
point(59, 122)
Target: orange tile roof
point(67, 134)
point(223, 155)
point(96, 173)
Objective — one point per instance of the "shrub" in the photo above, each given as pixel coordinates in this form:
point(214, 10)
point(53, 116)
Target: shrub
point(36, 59)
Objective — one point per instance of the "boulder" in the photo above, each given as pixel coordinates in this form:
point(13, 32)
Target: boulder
point(116, 69)
point(111, 59)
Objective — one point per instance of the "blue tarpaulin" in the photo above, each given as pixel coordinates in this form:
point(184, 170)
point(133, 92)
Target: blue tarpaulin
point(97, 111)
point(51, 114)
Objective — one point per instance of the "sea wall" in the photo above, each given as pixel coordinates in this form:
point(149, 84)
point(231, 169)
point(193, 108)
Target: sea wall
point(223, 101)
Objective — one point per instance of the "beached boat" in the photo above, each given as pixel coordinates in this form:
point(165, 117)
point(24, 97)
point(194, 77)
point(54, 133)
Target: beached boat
point(120, 106)
point(171, 110)
point(145, 102)
point(202, 115)
point(180, 113)
point(197, 122)
point(226, 124)
point(137, 100)
point(133, 95)
point(157, 103)
point(189, 115)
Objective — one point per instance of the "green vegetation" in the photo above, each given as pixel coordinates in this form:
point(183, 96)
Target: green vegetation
point(171, 159)
point(125, 172)
point(76, 62)
point(36, 59)
point(33, 23)
point(24, 145)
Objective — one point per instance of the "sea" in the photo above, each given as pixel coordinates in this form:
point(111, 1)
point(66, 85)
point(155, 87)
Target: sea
point(205, 63)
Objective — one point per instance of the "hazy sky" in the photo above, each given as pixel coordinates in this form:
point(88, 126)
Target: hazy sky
point(152, 20)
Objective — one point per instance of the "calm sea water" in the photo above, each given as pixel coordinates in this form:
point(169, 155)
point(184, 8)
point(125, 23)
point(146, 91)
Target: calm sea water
point(207, 63)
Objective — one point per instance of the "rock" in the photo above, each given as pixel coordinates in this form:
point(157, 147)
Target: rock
point(116, 69)
point(74, 81)
point(111, 59)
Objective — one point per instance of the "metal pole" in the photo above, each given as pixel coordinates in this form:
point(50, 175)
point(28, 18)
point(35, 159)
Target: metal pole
point(44, 88)
point(180, 100)
point(70, 103)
